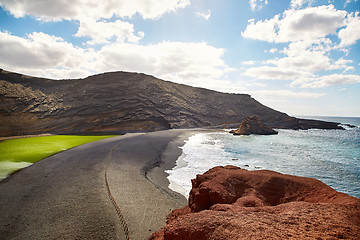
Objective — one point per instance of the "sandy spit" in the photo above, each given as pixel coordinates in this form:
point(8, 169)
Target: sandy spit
point(65, 196)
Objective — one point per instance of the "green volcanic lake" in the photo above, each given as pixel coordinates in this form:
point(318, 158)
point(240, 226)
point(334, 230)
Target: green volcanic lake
point(19, 153)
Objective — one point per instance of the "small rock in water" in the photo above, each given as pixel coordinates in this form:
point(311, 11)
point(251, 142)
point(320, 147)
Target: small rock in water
point(246, 165)
point(350, 125)
point(253, 125)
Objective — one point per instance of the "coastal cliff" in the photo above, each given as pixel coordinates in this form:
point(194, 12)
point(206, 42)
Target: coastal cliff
point(233, 203)
point(123, 101)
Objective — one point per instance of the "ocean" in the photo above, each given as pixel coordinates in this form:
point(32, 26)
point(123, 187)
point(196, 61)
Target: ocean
point(331, 156)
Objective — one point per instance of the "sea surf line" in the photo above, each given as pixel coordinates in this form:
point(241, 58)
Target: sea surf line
point(331, 156)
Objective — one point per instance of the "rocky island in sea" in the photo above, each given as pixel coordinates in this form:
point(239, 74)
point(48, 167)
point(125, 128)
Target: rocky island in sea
point(253, 125)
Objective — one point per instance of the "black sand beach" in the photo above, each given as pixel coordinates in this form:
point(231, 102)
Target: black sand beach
point(65, 196)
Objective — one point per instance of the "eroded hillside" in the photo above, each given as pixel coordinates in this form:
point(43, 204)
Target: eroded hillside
point(122, 101)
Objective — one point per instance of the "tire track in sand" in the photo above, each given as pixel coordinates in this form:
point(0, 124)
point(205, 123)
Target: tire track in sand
point(114, 203)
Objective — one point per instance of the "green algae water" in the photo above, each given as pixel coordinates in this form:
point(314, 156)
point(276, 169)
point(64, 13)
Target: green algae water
point(331, 156)
point(19, 153)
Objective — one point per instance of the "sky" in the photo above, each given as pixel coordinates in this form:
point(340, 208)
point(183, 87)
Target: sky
point(301, 57)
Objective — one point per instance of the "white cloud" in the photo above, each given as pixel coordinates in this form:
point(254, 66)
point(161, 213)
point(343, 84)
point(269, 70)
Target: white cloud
point(351, 33)
point(305, 56)
point(297, 25)
point(285, 94)
point(347, 2)
point(102, 32)
point(273, 50)
point(39, 54)
point(303, 59)
point(309, 48)
point(327, 80)
point(343, 64)
point(257, 4)
point(248, 63)
point(56, 72)
point(176, 61)
point(91, 15)
point(307, 62)
point(55, 10)
point(310, 23)
point(205, 15)
point(262, 30)
point(39, 50)
point(300, 3)
point(274, 73)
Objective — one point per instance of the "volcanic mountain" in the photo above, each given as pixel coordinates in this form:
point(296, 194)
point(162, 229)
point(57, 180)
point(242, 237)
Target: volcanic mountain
point(124, 101)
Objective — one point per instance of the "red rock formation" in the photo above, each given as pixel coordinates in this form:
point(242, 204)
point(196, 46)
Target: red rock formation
point(233, 203)
point(253, 125)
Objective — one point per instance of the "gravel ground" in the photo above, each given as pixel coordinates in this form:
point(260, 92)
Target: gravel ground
point(66, 197)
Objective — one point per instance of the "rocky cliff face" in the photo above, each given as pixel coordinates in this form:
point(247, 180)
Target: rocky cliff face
point(122, 101)
point(233, 203)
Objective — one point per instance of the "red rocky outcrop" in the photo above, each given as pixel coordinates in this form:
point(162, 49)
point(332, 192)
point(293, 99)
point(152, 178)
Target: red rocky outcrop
point(233, 203)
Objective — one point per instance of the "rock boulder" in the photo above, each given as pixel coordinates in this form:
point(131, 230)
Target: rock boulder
point(233, 203)
point(253, 125)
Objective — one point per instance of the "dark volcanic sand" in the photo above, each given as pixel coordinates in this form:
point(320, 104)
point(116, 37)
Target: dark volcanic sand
point(65, 196)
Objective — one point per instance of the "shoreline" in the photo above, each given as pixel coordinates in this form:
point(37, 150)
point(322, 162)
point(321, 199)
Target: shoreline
point(60, 197)
point(298, 153)
point(139, 184)
point(66, 194)
point(168, 161)
point(25, 136)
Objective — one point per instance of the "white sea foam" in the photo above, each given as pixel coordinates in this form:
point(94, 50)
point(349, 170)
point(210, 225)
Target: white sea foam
point(200, 153)
point(332, 156)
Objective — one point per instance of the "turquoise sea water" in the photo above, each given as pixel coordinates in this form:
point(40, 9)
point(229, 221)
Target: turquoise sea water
point(331, 156)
